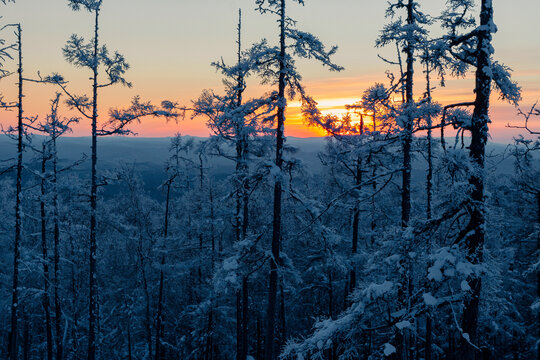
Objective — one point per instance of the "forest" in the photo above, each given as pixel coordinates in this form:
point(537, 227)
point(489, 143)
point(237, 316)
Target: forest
point(403, 234)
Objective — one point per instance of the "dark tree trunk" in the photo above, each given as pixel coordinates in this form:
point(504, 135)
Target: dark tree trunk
point(276, 225)
point(93, 295)
point(245, 317)
point(474, 240)
point(355, 223)
point(159, 318)
point(45, 257)
point(209, 339)
point(429, 339)
point(407, 134)
point(429, 193)
point(148, 310)
point(429, 176)
point(74, 300)
point(242, 208)
point(56, 260)
point(242, 318)
point(401, 342)
point(13, 346)
point(282, 316)
point(239, 342)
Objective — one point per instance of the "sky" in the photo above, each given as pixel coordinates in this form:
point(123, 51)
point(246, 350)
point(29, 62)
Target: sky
point(171, 43)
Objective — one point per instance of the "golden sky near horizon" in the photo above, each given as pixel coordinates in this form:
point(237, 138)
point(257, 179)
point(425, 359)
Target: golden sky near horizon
point(170, 45)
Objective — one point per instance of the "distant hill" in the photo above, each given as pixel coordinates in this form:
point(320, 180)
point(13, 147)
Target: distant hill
point(148, 155)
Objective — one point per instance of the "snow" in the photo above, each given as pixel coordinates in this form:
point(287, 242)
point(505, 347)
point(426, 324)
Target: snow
point(465, 286)
point(404, 325)
point(434, 273)
point(465, 268)
point(389, 349)
point(374, 291)
point(230, 264)
point(429, 299)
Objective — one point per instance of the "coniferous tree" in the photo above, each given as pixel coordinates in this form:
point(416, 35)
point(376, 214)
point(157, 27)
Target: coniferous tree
point(277, 65)
point(476, 50)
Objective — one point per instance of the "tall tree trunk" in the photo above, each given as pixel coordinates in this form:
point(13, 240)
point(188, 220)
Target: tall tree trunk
point(209, 353)
point(245, 317)
point(45, 256)
point(282, 315)
point(474, 240)
point(56, 234)
point(429, 194)
point(276, 225)
point(355, 223)
point(406, 289)
point(159, 318)
point(93, 308)
point(242, 207)
point(407, 135)
point(239, 337)
point(148, 315)
point(13, 346)
point(26, 336)
point(74, 300)
point(373, 224)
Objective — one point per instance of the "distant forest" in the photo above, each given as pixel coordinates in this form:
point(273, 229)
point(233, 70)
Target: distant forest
point(401, 236)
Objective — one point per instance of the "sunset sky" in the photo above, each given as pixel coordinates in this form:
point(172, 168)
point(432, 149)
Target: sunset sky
point(171, 43)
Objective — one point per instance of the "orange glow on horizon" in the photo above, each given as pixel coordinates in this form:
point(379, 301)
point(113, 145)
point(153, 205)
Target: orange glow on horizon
point(332, 95)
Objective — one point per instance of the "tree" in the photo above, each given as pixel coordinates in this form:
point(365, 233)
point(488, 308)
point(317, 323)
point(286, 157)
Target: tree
point(20, 133)
point(278, 66)
point(409, 38)
point(527, 182)
point(240, 125)
point(54, 127)
point(475, 49)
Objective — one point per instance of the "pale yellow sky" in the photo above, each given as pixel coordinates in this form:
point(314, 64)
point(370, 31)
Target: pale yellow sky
point(171, 43)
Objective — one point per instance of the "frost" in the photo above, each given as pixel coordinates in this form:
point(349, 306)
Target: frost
point(275, 173)
point(399, 313)
point(375, 291)
point(464, 268)
point(487, 71)
point(429, 299)
point(449, 272)
point(230, 264)
point(404, 325)
point(508, 89)
point(434, 273)
point(465, 286)
point(389, 349)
